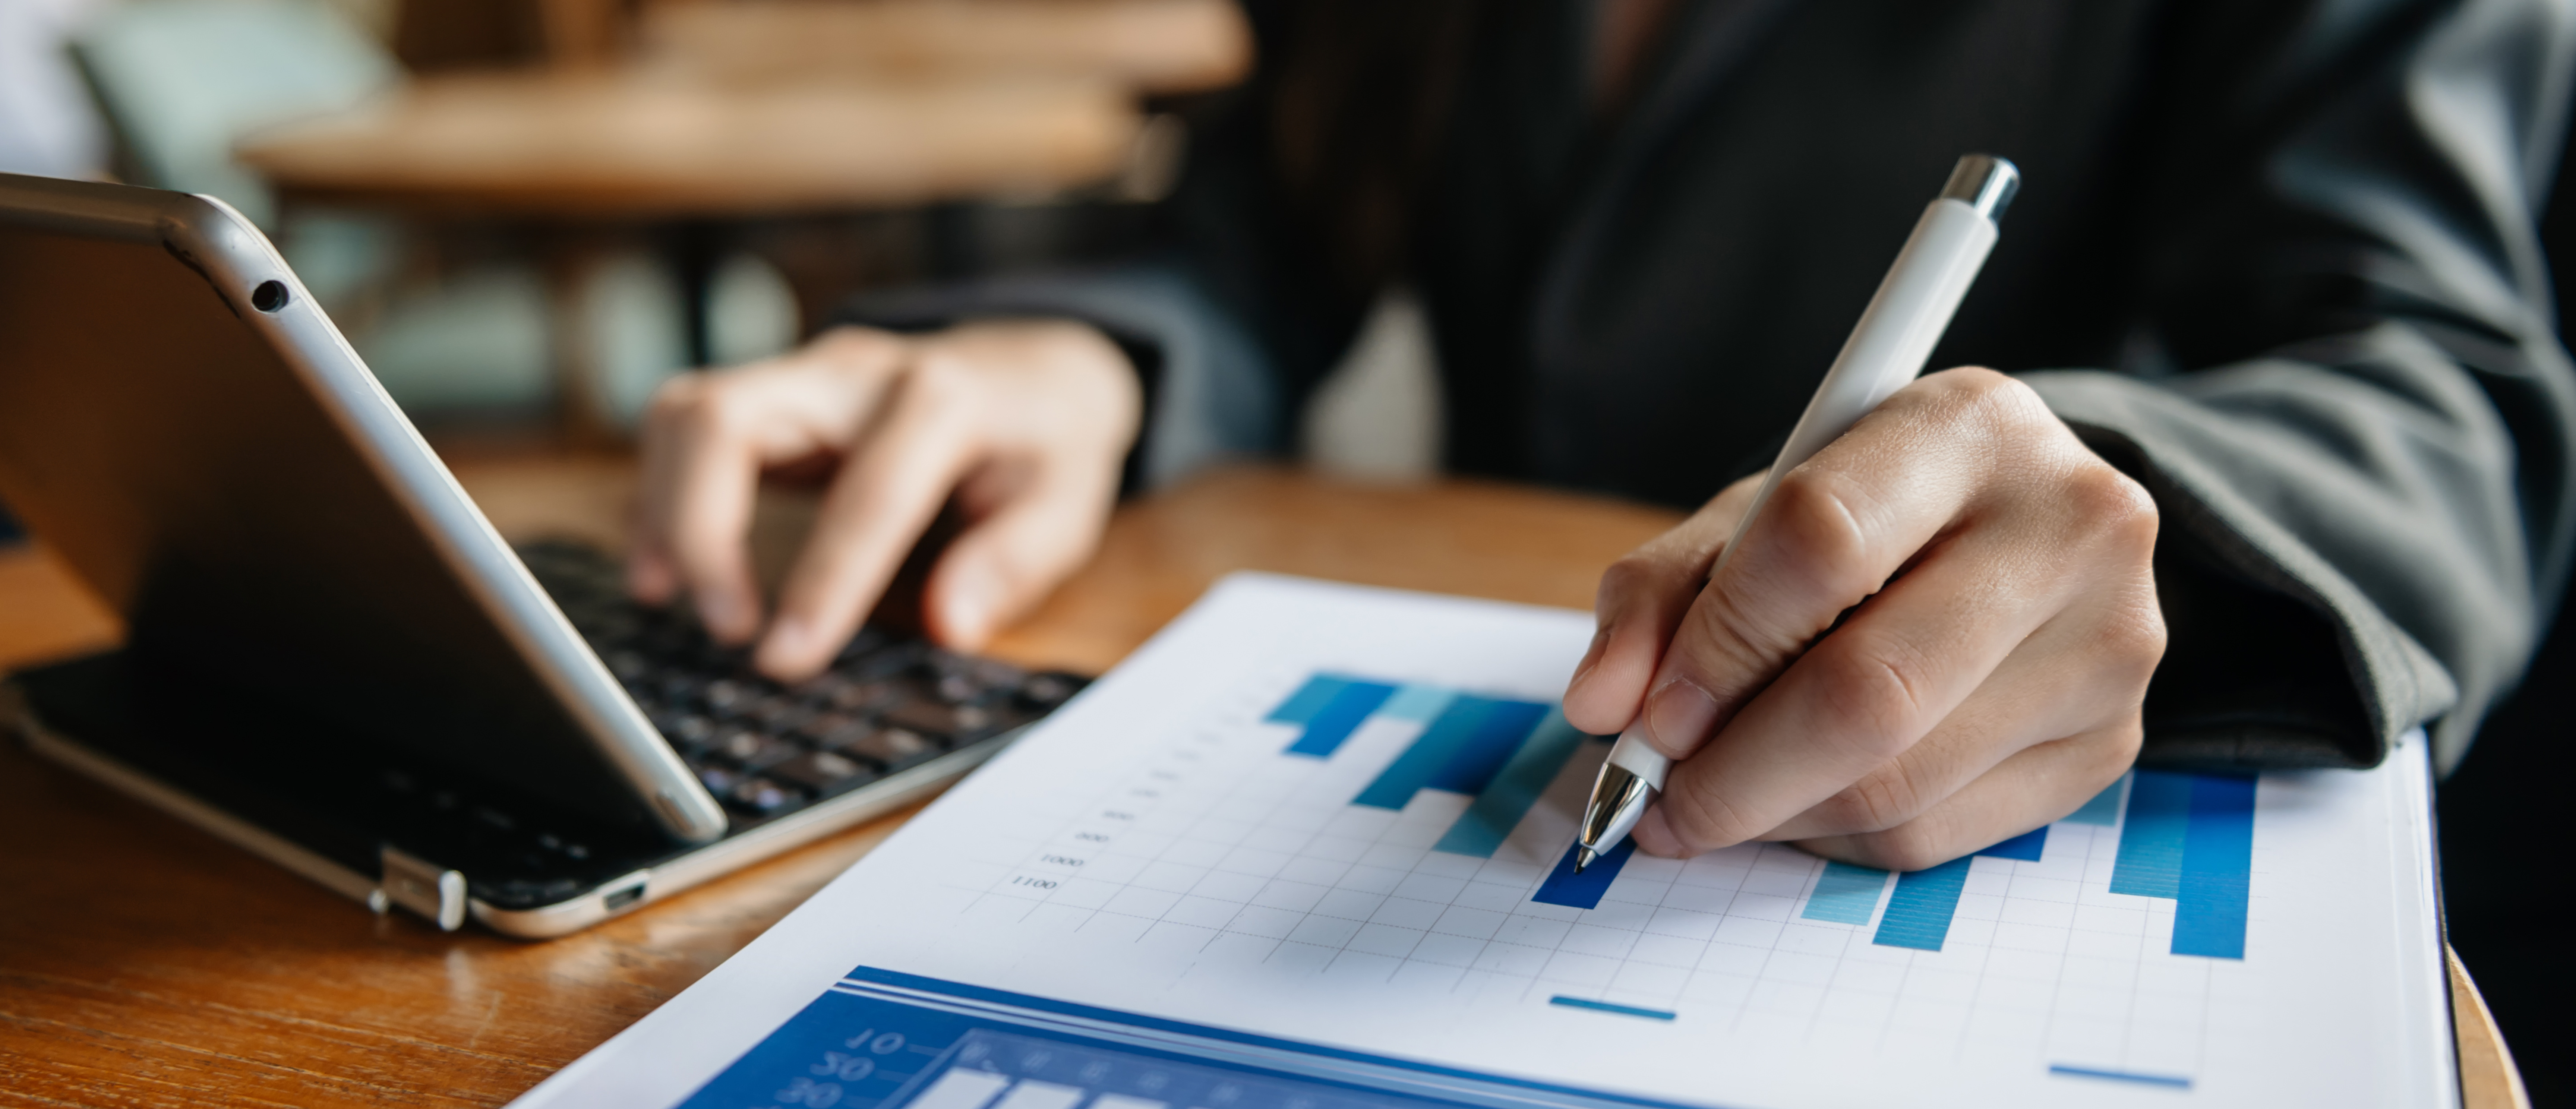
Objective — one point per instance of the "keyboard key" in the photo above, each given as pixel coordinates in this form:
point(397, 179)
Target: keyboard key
point(776, 713)
point(891, 748)
point(820, 772)
point(745, 749)
point(1045, 691)
point(718, 780)
point(763, 796)
point(686, 730)
point(724, 696)
point(933, 718)
point(854, 696)
point(833, 729)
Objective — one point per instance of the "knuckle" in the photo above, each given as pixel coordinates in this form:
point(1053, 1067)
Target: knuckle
point(2135, 636)
point(1882, 800)
point(1818, 531)
point(1913, 845)
point(1704, 820)
point(1872, 690)
point(2107, 502)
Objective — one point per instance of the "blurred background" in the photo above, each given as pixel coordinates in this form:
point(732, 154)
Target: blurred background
point(526, 214)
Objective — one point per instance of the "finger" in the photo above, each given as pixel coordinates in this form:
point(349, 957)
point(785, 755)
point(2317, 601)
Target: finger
point(1011, 558)
point(1910, 657)
point(2078, 675)
point(1639, 604)
point(1834, 530)
point(701, 469)
point(880, 503)
point(708, 436)
point(2036, 786)
point(650, 576)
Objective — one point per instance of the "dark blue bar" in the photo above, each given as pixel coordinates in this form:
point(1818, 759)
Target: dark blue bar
point(1334, 722)
point(1491, 743)
point(1918, 913)
point(2121, 1076)
point(1442, 742)
point(1606, 1007)
point(1583, 891)
point(2151, 837)
point(2024, 847)
point(2217, 868)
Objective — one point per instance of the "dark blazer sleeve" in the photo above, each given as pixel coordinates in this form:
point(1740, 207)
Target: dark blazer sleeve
point(2347, 194)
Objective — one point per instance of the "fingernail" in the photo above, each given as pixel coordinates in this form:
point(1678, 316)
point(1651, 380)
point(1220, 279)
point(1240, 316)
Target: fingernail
point(790, 639)
point(1654, 833)
point(1591, 655)
point(1679, 716)
point(968, 608)
point(723, 615)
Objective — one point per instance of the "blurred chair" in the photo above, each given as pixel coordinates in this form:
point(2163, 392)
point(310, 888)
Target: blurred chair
point(183, 80)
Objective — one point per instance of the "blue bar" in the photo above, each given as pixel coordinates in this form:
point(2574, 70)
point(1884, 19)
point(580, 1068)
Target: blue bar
point(2217, 866)
point(1448, 737)
point(2024, 847)
point(2151, 840)
point(1417, 703)
point(1847, 894)
point(1310, 698)
point(1918, 914)
point(1606, 1007)
point(2104, 809)
point(1499, 809)
point(1496, 735)
point(1341, 715)
point(2121, 1076)
point(1583, 891)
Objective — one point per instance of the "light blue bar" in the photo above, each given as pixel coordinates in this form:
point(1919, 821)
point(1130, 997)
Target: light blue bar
point(2168, 1080)
point(1417, 703)
point(1918, 913)
point(1443, 740)
point(1480, 830)
point(1310, 698)
point(2151, 839)
point(2217, 868)
point(2104, 809)
point(1606, 1007)
point(1847, 894)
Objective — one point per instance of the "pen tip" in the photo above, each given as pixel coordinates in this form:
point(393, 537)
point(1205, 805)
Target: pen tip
point(1582, 858)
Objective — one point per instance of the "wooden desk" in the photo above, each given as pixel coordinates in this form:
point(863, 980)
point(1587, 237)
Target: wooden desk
point(142, 962)
point(624, 146)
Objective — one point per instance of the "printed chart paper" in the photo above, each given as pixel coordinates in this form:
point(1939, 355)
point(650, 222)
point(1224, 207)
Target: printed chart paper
point(1309, 849)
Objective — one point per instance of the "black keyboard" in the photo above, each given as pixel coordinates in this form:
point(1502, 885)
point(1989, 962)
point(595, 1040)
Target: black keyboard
point(888, 703)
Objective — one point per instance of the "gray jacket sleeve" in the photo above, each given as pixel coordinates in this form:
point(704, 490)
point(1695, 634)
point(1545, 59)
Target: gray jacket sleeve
point(2399, 463)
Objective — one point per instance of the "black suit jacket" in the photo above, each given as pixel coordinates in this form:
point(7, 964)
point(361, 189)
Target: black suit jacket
point(2277, 260)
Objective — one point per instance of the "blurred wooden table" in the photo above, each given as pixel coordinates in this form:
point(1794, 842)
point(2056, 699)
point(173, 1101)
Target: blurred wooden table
point(143, 962)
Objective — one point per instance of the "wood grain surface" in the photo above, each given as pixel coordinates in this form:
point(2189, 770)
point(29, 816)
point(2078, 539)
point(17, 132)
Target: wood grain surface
point(144, 963)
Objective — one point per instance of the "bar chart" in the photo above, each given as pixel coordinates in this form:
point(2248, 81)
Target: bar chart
point(1319, 840)
point(1412, 832)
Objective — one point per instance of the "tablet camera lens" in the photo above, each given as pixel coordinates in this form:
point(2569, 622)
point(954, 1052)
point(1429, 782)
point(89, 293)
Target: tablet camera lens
point(269, 297)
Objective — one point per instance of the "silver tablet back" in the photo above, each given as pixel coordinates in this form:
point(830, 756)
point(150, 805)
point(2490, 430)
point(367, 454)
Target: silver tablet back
point(182, 423)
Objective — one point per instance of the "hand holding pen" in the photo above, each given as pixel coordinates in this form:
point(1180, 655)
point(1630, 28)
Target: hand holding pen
point(1927, 628)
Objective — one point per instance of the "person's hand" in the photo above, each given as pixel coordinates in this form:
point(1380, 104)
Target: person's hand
point(1937, 635)
point(1026, 423)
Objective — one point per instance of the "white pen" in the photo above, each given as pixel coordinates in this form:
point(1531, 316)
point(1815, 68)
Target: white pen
point(1886, 350)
